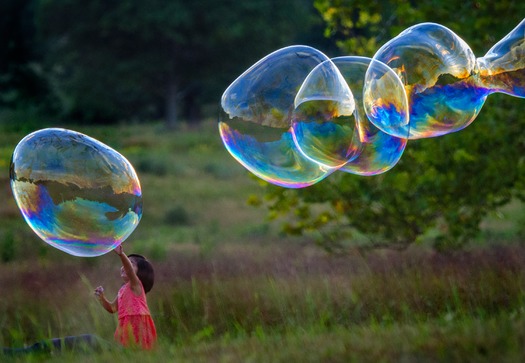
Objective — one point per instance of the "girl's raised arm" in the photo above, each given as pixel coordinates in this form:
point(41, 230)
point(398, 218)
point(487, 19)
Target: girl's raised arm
point(134, 282)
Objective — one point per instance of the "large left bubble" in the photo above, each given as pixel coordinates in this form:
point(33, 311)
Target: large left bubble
point(76, 193)
point(256, 113)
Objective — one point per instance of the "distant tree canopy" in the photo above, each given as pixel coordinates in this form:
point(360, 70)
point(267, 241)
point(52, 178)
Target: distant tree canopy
point(21, 85)
point(105, 61)
point(109, 60)
point(442, 187)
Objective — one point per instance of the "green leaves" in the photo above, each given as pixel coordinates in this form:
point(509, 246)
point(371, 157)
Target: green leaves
point(443, 187)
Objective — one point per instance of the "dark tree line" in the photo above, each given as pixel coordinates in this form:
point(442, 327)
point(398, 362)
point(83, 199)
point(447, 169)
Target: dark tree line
point(106, 60)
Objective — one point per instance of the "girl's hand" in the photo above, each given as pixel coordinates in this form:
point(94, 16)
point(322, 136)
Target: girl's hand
point(119, 250)
point(99, 291)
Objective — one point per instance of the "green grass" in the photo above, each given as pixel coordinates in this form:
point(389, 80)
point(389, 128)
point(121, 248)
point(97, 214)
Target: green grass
point(498, 339)
point(230, 288)
point(278, 303)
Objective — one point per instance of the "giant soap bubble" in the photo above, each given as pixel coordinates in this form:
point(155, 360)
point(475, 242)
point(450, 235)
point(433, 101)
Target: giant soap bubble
point(296, 116)
point(76, 193)
point(330, 124)
point(446, 85)
point(380, 151)
point(502, 69)
point(323, 125)
point(438, 70)
point(255, 118)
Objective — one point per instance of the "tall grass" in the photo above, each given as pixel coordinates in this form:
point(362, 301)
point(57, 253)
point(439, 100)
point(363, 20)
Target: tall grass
point(229, 288)
point(265, 297)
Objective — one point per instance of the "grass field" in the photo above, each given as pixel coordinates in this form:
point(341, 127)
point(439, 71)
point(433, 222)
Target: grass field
point(230, 288)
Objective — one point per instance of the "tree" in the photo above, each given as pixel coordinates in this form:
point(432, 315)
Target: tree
point(160, 58)
point(21, 82)
point(442, 187)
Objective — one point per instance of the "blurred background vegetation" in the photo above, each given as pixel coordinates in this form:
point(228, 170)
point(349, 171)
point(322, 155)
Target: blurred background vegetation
point(108, 61)
point(145, 78)
point(68, 62)
point(239, 273)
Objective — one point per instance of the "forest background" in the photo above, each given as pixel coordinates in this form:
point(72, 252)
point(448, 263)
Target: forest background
point(423, 263)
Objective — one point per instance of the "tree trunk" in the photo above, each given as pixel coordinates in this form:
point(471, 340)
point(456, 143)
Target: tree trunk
point(172, 102)
point(192, 109)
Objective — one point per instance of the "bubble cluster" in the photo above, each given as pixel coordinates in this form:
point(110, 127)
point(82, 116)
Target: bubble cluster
point(76, 193)
point(258, 107)
point(297, 116)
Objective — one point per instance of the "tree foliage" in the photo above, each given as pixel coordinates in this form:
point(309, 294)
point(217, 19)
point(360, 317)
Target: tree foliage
point(129, 59)
point(442, 187)
point(21, 83)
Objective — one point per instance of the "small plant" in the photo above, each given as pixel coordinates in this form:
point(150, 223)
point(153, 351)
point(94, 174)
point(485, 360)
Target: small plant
point(7, 247)
point(150, 165)
point(177, 216)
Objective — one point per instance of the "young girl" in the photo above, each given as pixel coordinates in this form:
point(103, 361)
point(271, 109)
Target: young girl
point(135, 325)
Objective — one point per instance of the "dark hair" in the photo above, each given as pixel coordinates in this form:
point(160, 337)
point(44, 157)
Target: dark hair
point(145, 271)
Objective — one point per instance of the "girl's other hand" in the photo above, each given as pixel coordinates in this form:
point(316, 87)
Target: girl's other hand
point(99, 291)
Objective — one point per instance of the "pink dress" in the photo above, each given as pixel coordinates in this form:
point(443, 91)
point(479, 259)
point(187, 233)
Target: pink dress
point(135, 325)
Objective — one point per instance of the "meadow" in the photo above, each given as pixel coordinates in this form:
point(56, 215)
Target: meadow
point(231, 288)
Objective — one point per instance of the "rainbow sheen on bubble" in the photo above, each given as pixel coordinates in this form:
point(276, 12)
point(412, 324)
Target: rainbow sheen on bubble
point(379, 151)
point(383, 95)
point(76, 193)
point(295, 126)
point(255, 119)
point(502, 69)
point(323, 126)
point(438, 70)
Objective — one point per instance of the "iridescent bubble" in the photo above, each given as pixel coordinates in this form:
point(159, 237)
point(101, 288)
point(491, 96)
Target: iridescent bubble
point(323, 124)
point(502, 69)
point(76, 193)
point(255, 119)
point(384, 98)
point(355, 114)
point(438, 70)
point(379, 150)
point(330, 125)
